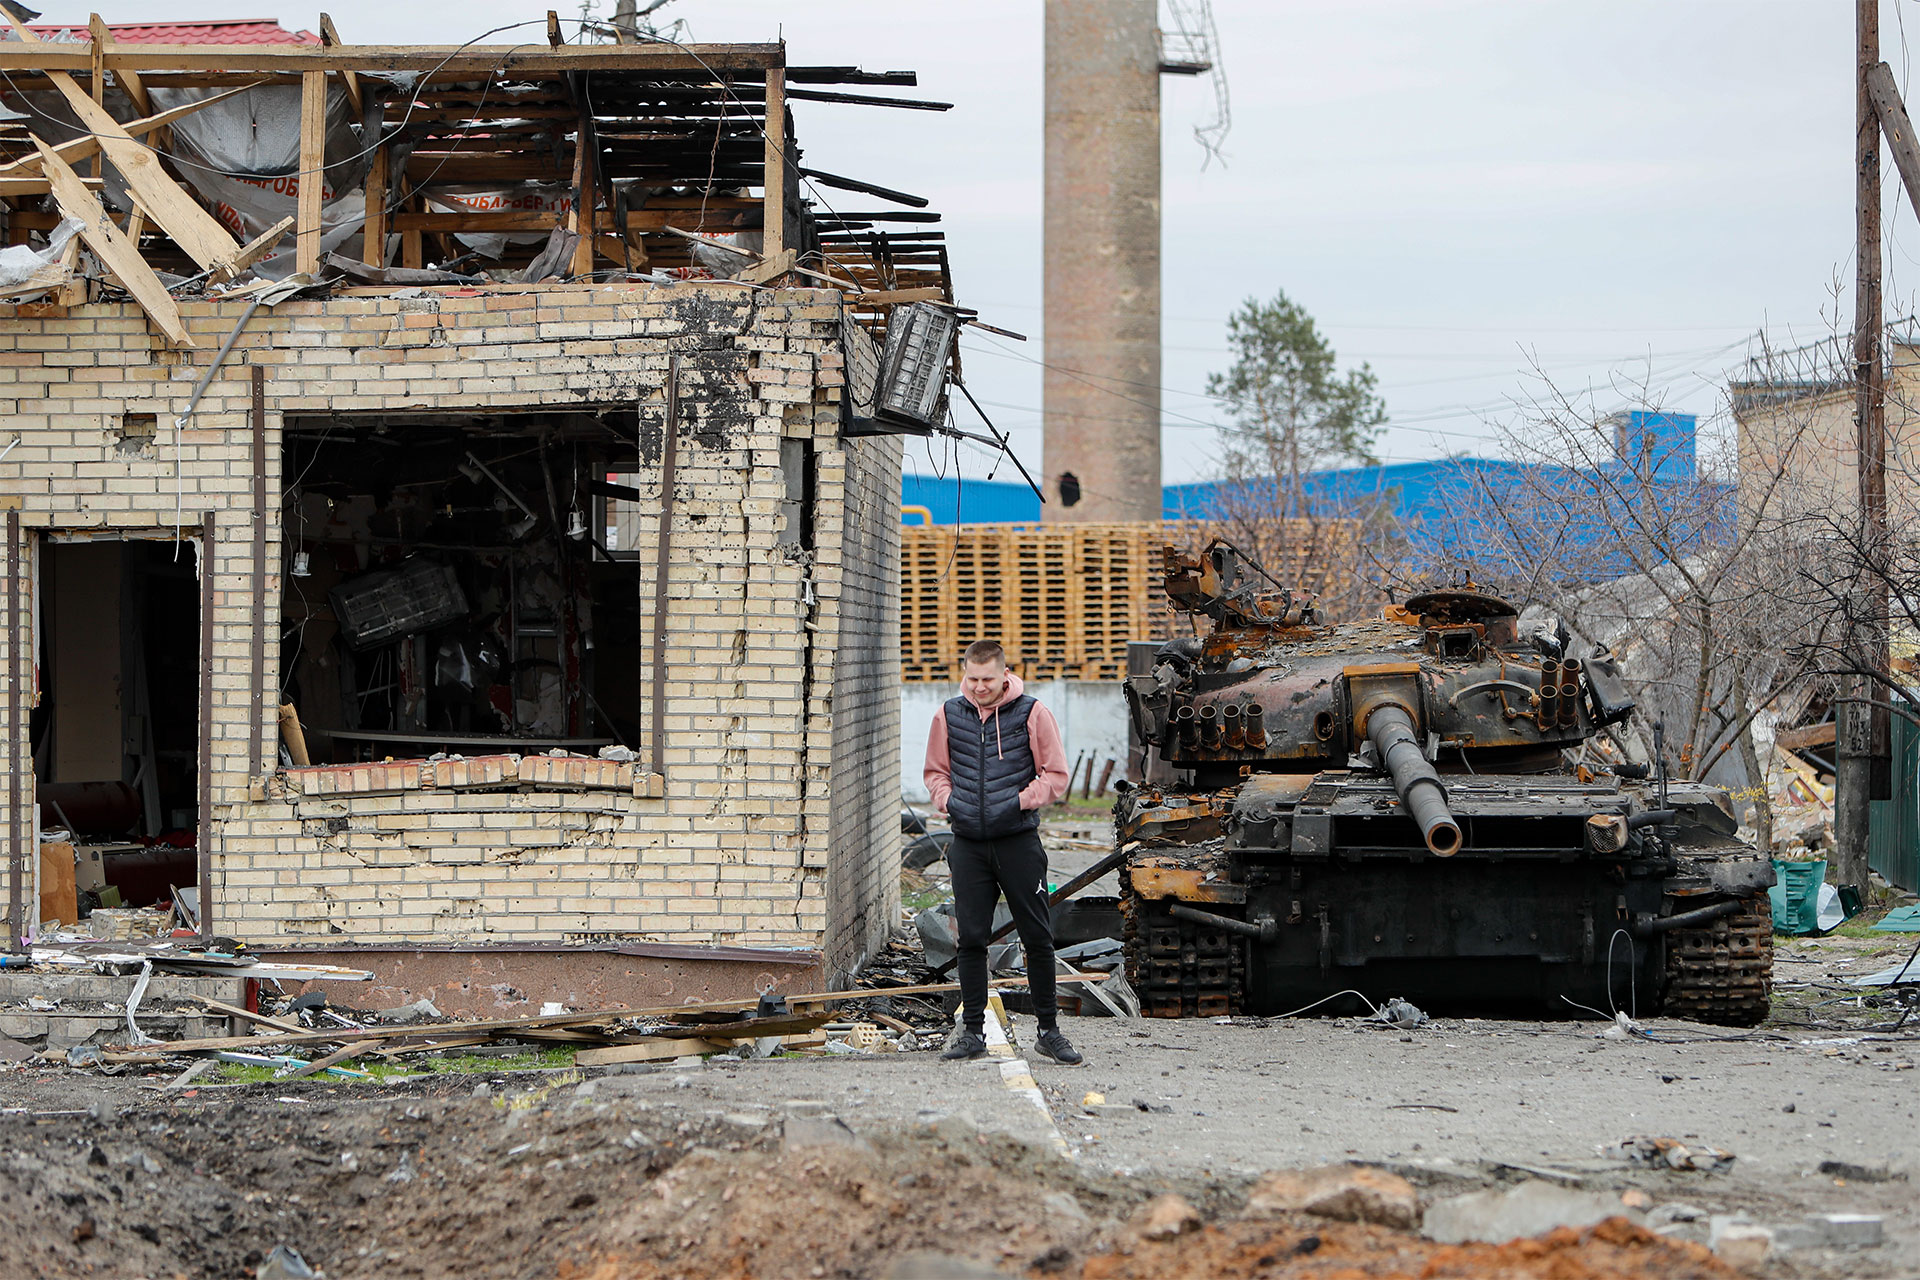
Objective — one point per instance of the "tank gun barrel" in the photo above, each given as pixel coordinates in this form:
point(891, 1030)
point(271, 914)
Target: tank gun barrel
point(1391, 730)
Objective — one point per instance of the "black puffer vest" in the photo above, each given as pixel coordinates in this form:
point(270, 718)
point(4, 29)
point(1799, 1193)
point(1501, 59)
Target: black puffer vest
point(990, 761)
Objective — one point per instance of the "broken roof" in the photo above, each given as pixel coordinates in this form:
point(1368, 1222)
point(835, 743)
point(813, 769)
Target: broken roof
point(454, 164)
point(217, 31)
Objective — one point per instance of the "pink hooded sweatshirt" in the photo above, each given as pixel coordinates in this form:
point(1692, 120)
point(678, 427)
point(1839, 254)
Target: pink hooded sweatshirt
point(1043, 739)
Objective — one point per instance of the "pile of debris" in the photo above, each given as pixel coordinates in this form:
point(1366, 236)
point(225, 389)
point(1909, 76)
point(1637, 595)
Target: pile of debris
point(306, 1037)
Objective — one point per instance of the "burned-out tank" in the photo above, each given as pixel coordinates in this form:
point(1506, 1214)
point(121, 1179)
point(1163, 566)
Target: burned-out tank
point(1386, 807)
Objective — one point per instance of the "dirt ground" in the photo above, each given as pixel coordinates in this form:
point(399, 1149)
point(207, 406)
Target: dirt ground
point(610, 1180)
point(902, 1167)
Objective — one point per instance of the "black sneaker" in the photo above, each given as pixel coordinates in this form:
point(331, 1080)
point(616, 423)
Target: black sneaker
point(968, 1044)
point(1051, 1044)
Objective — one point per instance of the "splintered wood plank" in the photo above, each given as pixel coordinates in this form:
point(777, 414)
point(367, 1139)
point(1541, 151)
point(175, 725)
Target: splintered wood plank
point(648, 1051)
point(585, 190)
point(373, 232)
point(496, 1027)
point(774, 183)
point(313, 177)
point(121, 255)
point(168, 203)
point(252, 251)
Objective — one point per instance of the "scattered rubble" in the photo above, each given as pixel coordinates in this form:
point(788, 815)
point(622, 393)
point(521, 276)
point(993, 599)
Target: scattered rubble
point(1670, 1153)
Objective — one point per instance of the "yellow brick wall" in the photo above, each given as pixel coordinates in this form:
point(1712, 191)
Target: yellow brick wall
point(775, 823)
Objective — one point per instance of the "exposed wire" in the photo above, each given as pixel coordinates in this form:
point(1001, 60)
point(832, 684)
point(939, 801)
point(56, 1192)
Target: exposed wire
point(412, 104)
point(1294, 1013)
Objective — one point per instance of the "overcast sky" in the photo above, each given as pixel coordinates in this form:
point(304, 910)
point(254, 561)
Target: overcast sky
point(1623, 192)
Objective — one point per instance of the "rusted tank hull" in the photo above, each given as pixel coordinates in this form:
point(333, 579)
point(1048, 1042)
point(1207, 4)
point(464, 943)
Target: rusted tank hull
point(1274, 896)
point(1458, 936)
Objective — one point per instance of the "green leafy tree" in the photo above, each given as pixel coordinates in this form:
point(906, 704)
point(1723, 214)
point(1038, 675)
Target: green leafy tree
point(1292, 412)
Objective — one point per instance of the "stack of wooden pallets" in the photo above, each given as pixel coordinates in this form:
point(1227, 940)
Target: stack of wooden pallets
point(1064, 599)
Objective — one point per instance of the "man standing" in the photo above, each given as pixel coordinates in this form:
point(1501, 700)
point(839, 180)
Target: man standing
point(994, 760)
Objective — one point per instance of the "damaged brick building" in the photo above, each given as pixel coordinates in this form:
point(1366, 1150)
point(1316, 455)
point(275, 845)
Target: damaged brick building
point(507, 597)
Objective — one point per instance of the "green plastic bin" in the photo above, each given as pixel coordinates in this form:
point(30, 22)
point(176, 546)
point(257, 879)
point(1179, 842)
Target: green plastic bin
point(1796, 896)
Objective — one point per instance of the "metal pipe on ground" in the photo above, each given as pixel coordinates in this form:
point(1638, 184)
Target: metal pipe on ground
point(1232, 726)
point(1256, 719)
point(1262, 929)
point(1391, 731)
point(1646, 924)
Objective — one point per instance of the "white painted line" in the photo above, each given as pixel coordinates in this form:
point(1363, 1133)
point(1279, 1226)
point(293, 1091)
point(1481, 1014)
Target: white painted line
point(1015, 1074)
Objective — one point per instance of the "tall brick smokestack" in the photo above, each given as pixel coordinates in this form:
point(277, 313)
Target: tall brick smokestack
point(1102, 261)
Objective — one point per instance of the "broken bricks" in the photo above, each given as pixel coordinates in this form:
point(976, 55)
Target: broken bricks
point(1670, 1153)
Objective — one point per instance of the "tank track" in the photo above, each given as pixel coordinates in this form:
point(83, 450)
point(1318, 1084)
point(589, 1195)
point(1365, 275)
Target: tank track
point(1179, 968)
point(1722, 973)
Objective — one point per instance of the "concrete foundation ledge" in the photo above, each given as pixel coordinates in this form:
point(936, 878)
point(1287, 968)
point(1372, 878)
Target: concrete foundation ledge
point(516, 980)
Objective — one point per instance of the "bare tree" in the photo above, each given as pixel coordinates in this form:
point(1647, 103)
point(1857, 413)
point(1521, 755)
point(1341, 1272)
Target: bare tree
point(1851, 581)
point(1642, 544)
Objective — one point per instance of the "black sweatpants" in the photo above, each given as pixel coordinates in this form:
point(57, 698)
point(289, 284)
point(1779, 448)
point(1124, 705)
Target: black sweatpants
point(982, 870)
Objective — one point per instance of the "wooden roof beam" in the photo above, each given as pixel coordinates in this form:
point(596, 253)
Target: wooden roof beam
point(118, 253)
point(447, 62)
point(330, 38)
point(129, 80)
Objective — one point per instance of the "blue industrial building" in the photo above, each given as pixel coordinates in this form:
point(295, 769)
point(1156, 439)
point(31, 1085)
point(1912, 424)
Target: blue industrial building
point(1437, 504)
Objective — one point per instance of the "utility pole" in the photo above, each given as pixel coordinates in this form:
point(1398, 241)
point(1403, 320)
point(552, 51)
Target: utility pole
point(1862, 746)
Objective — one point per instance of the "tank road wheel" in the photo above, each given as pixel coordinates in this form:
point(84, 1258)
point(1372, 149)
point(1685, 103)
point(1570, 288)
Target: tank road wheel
point(1722, 972)
point(1179, 968)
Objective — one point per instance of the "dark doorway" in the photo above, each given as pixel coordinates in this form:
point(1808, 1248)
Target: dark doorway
point(115, 735)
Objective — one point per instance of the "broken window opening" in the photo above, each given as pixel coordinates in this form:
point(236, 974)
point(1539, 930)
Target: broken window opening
point(115, 736)
point(449, 589)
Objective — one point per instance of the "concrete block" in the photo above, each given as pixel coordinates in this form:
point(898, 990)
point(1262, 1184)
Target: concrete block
point(1528, 1209)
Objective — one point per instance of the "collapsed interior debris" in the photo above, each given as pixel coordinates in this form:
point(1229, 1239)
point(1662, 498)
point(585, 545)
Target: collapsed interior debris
point(451, 584)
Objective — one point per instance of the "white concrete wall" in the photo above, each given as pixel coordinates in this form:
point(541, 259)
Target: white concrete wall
point(1092, 716)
